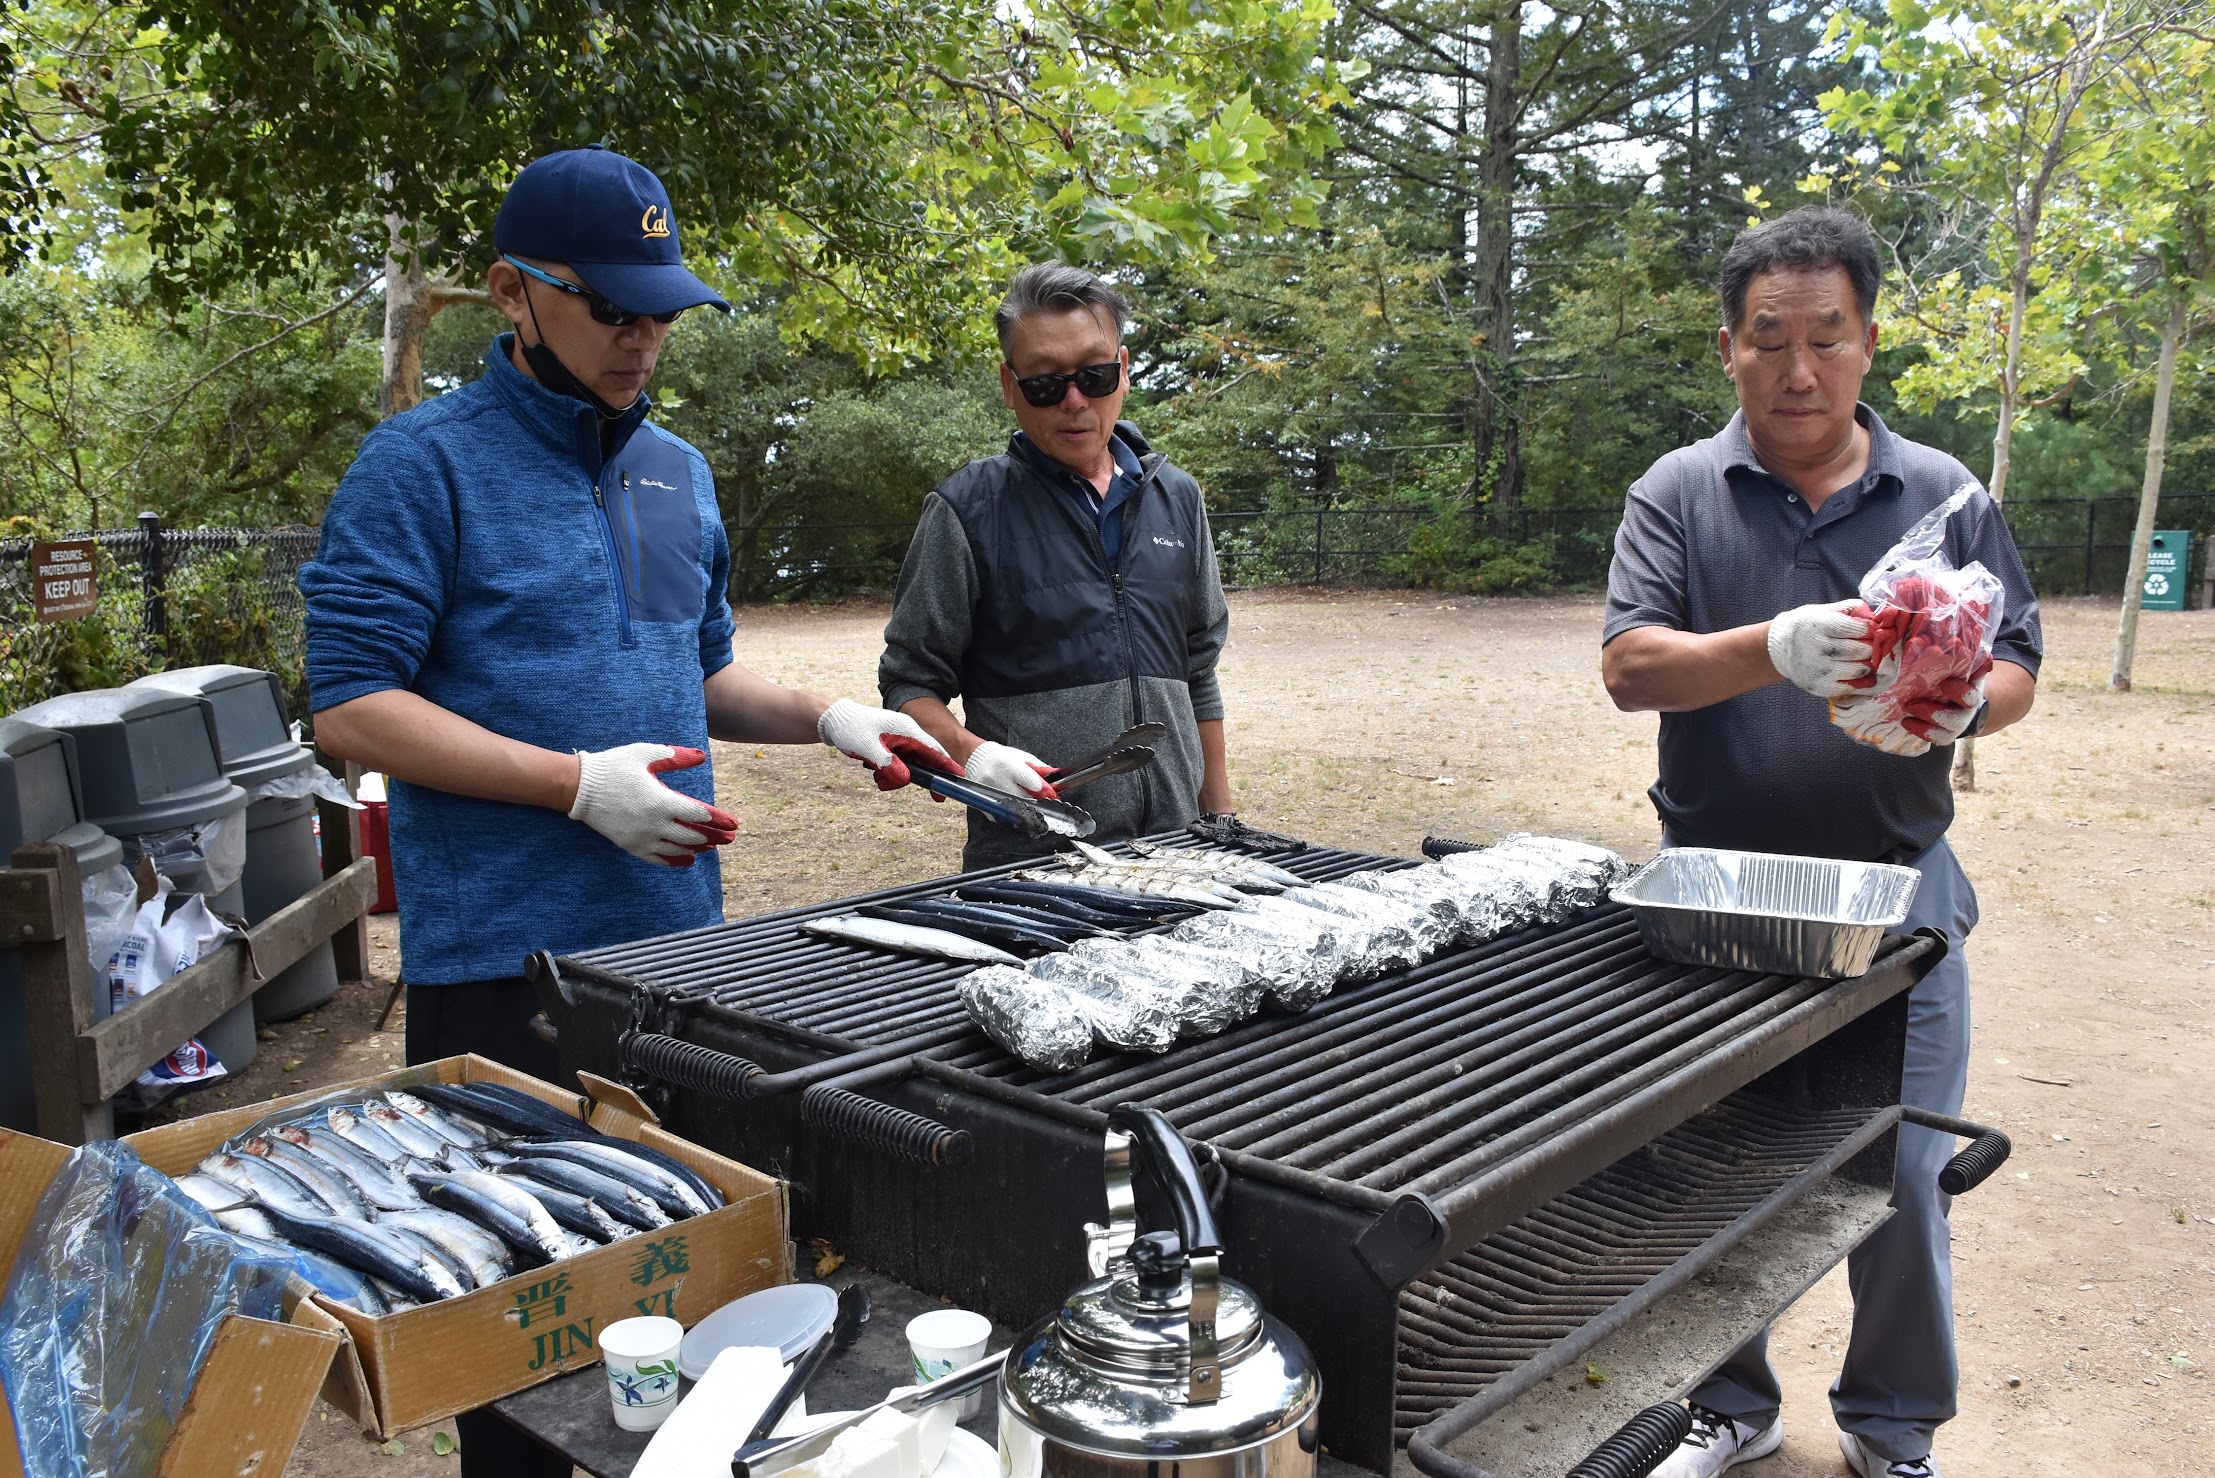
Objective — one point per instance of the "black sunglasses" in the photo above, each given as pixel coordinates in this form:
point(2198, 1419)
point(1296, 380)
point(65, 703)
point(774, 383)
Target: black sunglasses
point(1095, 380)
point(600, 308)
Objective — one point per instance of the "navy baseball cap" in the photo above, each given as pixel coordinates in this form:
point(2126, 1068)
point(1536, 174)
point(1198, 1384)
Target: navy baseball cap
point(607, 219)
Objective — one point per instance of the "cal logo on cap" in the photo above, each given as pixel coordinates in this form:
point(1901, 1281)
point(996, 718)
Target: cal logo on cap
point(656, 221)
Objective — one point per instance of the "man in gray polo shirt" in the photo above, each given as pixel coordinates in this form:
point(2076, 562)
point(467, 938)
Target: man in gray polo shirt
point(1729, 613)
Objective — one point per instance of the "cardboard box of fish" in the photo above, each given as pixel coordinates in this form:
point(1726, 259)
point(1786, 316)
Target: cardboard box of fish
point(473, 1229)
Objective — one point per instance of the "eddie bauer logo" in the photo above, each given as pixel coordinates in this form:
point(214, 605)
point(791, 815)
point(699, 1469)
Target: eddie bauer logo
point(656, 221)
point(649, 482)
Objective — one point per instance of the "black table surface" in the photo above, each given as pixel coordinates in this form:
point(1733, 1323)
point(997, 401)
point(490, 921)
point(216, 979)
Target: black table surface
point(571, 1415)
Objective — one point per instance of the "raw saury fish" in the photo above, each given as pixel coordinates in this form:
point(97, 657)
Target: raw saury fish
point(908, 939)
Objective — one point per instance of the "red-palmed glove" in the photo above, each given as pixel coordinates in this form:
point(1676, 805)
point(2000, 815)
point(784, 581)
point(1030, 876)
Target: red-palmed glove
point(619, 796)
point(885, 742)
point(1006, 768)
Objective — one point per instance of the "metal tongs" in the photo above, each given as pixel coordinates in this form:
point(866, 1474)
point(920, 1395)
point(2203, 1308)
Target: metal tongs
point(1027, 814)
point(1132, 750)
point(775, 1454)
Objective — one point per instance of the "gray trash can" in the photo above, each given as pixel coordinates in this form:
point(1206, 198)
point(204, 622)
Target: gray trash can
point(254, 744)
point(147, 762)
point(38, 802)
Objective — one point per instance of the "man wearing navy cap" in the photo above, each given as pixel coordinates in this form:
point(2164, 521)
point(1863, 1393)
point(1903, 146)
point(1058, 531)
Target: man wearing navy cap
point(518, 613)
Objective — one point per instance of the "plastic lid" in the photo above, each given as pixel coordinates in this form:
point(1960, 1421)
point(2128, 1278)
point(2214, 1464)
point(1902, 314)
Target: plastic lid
point(146, 759)
point(253, 742)
point(789, 1317)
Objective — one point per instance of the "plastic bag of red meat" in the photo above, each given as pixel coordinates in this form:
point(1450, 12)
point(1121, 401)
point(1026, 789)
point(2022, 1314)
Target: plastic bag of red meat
point(1931, 626)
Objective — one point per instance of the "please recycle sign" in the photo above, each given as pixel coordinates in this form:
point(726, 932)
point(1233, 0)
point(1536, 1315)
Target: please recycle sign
point(2164, 586)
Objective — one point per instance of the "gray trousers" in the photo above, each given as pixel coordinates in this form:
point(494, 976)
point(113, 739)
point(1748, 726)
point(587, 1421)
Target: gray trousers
point(1900, 1377)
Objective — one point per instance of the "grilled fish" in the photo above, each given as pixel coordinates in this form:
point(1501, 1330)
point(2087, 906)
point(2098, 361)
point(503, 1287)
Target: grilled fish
point(1141, 880)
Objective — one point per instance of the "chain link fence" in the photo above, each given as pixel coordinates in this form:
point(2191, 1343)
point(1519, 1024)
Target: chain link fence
point(168, 598)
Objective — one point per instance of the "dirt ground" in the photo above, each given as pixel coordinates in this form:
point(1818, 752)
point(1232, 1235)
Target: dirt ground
point(2085, 1270)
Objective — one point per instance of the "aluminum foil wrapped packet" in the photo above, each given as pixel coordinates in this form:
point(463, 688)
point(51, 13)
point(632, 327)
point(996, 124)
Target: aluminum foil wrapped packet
point(1378, 931)
point(1301, 956)
point(1212, 992)
point(1045, 1025)
point(1431, 920)
point(1501, 894)
point(1588, 873)
point(1137, 1012)
point(1432, 899)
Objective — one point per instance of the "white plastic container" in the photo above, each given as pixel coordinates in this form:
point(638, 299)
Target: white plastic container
point(942, 1342)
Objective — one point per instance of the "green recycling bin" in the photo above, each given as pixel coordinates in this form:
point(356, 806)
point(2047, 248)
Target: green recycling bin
point(2167, 565)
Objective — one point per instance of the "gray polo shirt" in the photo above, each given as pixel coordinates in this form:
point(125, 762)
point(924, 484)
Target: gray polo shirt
point(1710, 541)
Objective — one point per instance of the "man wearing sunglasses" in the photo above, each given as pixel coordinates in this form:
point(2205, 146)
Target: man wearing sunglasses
point(1065, 589)
point(518, 613)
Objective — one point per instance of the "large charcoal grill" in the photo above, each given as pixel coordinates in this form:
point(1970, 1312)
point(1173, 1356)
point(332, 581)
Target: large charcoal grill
point(1451, 1181)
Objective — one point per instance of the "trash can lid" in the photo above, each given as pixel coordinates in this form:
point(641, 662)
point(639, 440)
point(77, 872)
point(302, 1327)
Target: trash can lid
point(253, 742)
point(145, 758)
point(38, 784)
point(95, 849)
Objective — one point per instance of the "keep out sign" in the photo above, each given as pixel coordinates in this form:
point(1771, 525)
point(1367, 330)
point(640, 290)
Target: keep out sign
point(65, 580)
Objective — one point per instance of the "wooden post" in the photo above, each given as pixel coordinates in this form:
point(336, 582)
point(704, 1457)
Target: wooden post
point(42, 908)
point(341, 832)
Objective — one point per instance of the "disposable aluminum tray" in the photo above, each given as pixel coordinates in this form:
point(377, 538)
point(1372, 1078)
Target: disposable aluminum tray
point(1758, 911)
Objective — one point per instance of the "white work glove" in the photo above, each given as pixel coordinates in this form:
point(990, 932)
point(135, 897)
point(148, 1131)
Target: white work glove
point(1822, 648)
point(1005, 768)
point(884, 741)
point(1865, 719)
point(619, 797)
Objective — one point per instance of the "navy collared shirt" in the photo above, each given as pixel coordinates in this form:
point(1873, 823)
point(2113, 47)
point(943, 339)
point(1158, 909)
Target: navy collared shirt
point(1105, 509)
point(1711, 540)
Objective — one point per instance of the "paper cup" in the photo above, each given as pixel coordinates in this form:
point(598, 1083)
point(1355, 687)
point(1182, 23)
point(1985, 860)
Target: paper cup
point(942, 1342)
point(641, 1360)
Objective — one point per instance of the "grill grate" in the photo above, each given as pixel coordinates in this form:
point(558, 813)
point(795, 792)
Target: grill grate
point(848, 995)
point(1543, 1277)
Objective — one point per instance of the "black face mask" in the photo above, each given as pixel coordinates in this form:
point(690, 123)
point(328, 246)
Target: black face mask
point(555, 375)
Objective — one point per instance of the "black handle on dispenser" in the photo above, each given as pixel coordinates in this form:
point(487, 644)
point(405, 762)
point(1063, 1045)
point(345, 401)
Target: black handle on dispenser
point(1169, 1160)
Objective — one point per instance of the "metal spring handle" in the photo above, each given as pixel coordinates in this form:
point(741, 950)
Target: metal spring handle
point(920, 1141)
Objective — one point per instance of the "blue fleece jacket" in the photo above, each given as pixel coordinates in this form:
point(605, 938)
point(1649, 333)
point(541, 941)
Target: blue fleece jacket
point(480, 553)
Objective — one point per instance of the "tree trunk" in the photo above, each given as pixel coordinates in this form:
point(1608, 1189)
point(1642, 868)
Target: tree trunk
point(408, 312)
point(2149, 497)
point(2085, 58)
point(1496, 437)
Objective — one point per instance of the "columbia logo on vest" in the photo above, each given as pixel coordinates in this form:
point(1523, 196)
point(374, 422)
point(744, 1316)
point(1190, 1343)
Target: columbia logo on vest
point(1168, 543)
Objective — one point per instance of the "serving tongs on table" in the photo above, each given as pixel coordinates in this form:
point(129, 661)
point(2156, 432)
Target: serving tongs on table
point(774, 1454)
point(1027, 814)
point(1132, 750)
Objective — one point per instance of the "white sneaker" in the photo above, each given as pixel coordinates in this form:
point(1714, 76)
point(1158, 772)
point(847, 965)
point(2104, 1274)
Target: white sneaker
point(1716, 1442)
point(1869, 1465)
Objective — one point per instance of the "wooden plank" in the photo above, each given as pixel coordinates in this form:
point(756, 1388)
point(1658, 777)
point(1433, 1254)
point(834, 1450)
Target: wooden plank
point(113, 1052)
point(30, 907)
point(58, 1002)
point(341, 833)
